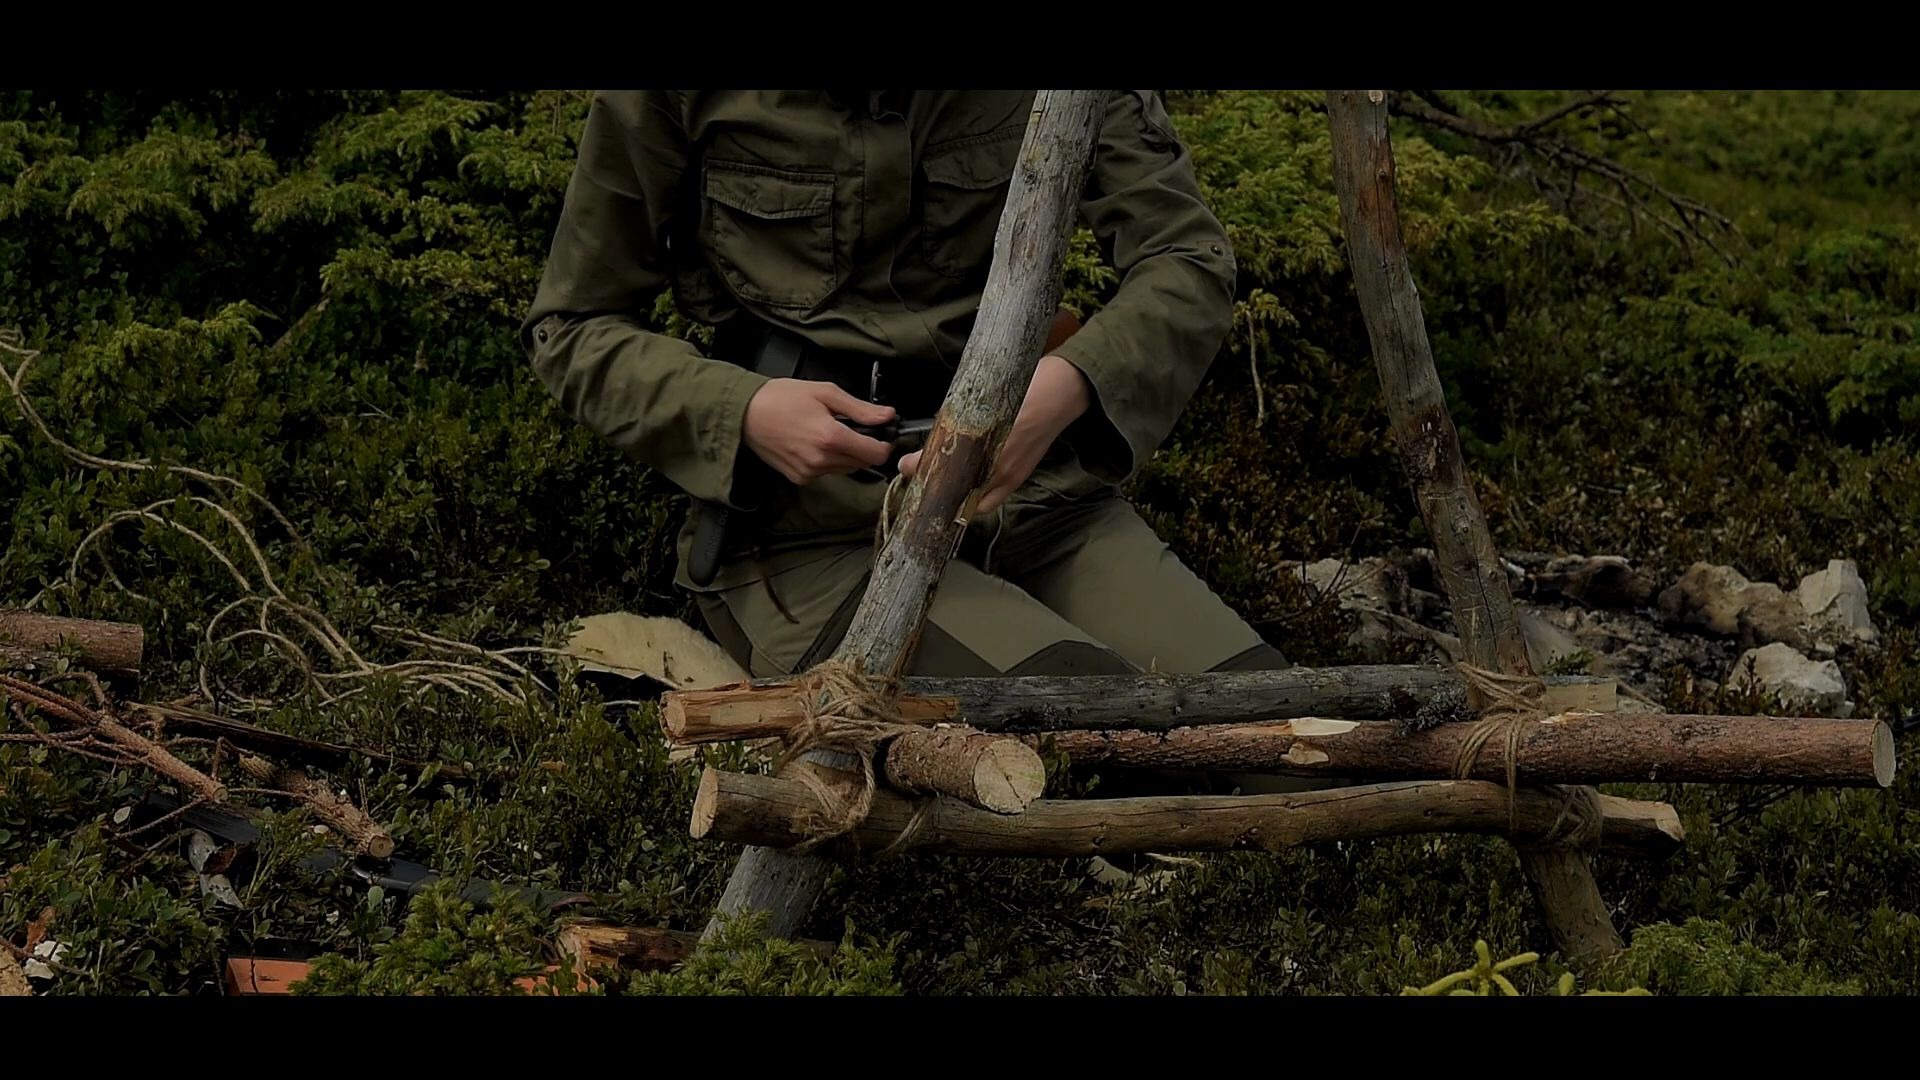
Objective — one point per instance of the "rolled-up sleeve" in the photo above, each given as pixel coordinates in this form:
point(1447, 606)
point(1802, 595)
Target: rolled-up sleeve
point(1146, 352)
point(651, 395)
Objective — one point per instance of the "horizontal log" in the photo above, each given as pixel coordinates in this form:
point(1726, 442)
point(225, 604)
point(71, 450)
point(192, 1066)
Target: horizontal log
point(1570, 748)
point(1095, 702)
point(768, 811)
point(32, 640)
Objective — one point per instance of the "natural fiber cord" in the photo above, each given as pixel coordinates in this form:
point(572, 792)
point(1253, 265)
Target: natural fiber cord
point(1514, 703)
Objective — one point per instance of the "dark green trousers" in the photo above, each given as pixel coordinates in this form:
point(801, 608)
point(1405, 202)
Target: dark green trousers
point(1054, 587)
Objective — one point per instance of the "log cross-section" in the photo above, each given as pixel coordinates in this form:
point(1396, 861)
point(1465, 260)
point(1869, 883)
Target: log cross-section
point(1429, 448)
point(1017, 310)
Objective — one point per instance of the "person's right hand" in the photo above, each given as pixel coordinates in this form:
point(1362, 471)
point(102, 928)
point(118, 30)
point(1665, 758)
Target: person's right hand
point(793, 425)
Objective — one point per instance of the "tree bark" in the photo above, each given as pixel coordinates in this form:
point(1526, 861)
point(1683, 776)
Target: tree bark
point(365, 836)
point(767, 810)
point(1017, 310)
point(1038, 703)
point(30, 640)
point(1571, 748)
point(1429, 449)
point(1003, 775)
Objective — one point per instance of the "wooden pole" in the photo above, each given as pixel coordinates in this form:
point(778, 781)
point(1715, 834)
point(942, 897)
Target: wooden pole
point(1571, 748)
point(767, 810)
point(1429, 448)
point(1035, 703)
point(31, 640)
point(1017, 310)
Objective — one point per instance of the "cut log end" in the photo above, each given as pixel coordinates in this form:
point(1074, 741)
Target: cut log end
point(1008, 777)
point(705, 801)
point(1884, 756)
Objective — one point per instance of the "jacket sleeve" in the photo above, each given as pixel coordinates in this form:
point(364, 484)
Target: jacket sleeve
point(649, 394)
point(1145, 353)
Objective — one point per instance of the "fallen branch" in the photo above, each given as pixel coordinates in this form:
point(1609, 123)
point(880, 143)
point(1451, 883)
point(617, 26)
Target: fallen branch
point(770, 812)
point(1571, 748)
point(133, 747)
point(279, 744)
point(366, 836)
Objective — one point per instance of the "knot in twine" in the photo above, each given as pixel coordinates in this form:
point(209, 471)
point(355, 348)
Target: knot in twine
point(1515, 703)
point(848, 710)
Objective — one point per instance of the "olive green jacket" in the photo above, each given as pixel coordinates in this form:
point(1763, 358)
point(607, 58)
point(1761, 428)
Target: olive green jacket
point(865, 222)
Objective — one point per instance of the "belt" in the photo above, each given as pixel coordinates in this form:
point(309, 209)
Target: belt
point(915, 391)
point(914, 388)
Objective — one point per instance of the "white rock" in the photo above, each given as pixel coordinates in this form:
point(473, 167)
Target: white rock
point(1802, 685)
point(1836, 601)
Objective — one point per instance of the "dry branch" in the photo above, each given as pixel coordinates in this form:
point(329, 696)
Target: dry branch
point(1429, 448)
point(365, 835)
point(769, 811)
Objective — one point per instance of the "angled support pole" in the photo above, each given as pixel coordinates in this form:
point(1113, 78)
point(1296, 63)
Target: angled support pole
point(1016, 311)
point(1429, 447)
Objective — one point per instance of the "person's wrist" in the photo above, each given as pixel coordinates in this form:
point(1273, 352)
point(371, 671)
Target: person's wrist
point(1068, 394)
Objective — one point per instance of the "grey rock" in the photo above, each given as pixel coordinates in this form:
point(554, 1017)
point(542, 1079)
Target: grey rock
point(1800, 684)
point(1720, 600)
point(1835, 600)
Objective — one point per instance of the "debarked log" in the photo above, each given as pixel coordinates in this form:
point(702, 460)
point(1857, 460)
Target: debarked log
point(1037, 703)
point(771, 811)
point(29, 639)
point(1569, 748)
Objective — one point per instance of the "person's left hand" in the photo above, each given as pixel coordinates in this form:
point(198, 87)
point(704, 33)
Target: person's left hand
point(1058, 395)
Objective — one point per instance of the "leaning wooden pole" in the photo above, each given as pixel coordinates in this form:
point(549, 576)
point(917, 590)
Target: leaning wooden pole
point(1429, 448)
point(1017, 309)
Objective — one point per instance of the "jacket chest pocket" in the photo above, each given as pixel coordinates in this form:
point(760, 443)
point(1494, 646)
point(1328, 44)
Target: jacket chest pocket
point(965, 191)
point(769, 233)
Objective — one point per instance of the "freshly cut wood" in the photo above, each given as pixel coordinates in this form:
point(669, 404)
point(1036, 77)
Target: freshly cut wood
point(768, 811)
point(1571, 748)
point(31, 640)
point(1017, 308)
point(995, 773)
point(1036, 703)
point(365, 836)
point(1429, 448)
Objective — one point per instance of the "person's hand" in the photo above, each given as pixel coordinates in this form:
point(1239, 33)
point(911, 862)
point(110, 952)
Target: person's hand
point(1058, 395)
point(793, 425)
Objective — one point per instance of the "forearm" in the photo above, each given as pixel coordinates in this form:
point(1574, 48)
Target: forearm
point(1146, 352)
point(650, 395)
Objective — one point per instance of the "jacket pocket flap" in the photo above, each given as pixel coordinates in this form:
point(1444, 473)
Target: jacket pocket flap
point(976, 167)
point(769, 193)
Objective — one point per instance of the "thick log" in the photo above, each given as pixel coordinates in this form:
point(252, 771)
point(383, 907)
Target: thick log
point(993, 773)
point(1017, 310)
point(1037, 703)
point(1571, 748)
point(768, 811)
point(31, 640)
point(1429, 449)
